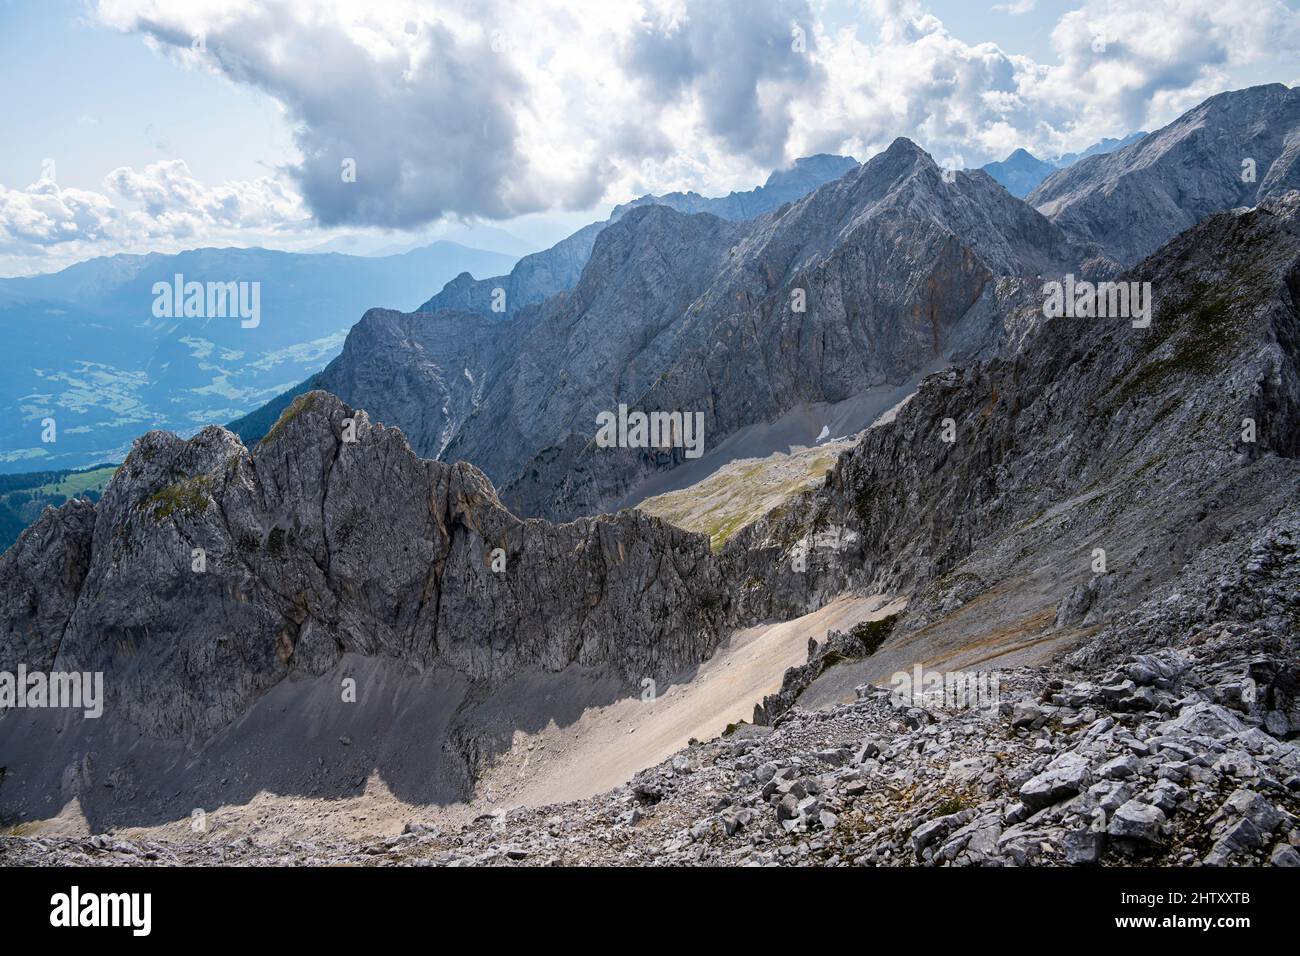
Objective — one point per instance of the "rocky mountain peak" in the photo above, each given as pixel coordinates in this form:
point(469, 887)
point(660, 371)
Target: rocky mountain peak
point(330, 537)
point(1235, 149)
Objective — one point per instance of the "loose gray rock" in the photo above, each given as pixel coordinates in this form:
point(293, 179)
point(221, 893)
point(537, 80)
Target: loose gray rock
point(1064, 777)
point(1136, 821)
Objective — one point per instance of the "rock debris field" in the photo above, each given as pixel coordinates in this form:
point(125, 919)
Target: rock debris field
point(1166, 758)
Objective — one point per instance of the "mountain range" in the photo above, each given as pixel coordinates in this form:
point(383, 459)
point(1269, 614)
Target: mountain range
point(166, 374)
point(1100, 508)
point(471, 402)
point(557, 269)
point(696, 313)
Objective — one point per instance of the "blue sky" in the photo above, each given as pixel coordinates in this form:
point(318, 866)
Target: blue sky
point(97, 99)
point(538, 117)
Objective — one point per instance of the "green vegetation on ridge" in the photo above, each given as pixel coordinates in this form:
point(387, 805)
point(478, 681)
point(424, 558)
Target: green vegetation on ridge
point(23, 497)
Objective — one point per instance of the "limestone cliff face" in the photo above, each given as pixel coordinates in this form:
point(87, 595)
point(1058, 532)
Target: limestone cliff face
point(443, 378)
point(42, 575)
point(314, 545)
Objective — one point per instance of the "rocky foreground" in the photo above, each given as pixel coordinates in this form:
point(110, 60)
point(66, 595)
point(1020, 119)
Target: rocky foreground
point(1172, 757)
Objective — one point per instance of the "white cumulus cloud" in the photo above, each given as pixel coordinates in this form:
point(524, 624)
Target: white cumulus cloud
point(492, 109)
point(159, 207)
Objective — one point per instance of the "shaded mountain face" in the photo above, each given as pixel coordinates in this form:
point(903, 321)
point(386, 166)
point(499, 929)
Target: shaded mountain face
point(333, 537)
point(449, 356)
point(88, 350)
point(1235, 149)
point(541, 275)
point(863, 284)
point(209, 576)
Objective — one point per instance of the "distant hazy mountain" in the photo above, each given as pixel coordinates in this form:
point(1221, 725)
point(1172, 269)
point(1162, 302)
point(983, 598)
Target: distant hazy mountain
point(544, 273)
point(486, 238)
point(1235, 149)
point(477, 236)
point(532, 280)
point(1108, 145)
point(1022, 171)
point(783, 186)
point(86, 349)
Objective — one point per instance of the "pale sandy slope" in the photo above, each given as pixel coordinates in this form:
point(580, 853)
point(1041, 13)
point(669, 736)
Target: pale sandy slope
point(608, 745)
point(603, 747)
